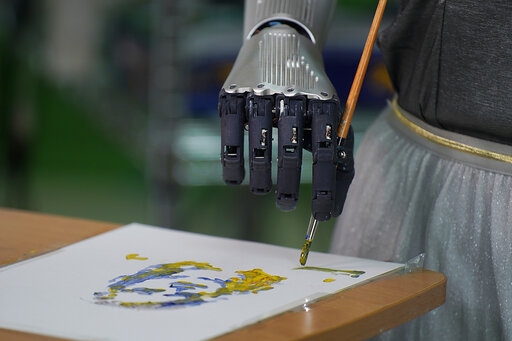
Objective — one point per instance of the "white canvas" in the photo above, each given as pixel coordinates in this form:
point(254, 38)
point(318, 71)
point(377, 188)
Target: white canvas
point(65, 293)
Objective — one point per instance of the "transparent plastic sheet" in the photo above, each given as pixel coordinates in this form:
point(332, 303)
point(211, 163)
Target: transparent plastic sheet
point(412, 265)
point(415, 264)
point(306, 304)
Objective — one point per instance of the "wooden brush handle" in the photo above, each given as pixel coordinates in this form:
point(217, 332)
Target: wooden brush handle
point(361, 71)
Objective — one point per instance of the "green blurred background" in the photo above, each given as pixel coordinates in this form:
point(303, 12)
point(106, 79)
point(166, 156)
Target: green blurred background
point(108, 112)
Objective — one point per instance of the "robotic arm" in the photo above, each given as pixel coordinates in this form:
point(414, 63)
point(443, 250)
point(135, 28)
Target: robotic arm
point(278, 80)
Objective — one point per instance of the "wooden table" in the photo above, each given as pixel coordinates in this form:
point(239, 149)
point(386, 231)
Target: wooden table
point(353, 314)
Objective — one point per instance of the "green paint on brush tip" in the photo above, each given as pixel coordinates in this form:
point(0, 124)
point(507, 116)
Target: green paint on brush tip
point(351, 273)
point(304, 253)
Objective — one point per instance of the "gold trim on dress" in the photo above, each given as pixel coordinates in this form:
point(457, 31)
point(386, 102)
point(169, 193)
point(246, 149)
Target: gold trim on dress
point(447, 142)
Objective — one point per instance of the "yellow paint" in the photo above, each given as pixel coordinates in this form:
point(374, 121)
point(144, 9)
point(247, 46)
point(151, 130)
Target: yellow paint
point(351, 273)
point(252, 281)
point(304, 252)
point(135, 256)
point(329, 280)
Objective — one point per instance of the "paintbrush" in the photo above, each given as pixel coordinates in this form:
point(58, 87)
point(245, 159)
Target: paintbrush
point(349, 111)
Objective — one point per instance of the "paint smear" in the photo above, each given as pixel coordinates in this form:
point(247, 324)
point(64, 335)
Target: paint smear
point(135, 256)
point(351, 273)
point(327, 280)
point(184, 292)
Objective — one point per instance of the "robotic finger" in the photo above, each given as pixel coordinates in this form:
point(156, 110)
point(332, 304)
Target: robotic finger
point(260, 110)
point(232, 115)
point(291, 135)
point(324, 121)
point(344, 171)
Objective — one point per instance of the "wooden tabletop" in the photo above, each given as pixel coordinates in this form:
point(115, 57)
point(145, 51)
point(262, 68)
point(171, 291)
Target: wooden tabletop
point(354, 314)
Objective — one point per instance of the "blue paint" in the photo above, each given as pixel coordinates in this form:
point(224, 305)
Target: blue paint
point(217, 281)
point(184, 292)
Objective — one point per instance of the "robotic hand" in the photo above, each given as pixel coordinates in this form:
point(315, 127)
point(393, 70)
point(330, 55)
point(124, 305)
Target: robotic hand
point(278, 80)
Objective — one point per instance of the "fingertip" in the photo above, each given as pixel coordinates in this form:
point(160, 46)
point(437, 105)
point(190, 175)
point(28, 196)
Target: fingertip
point(322, 216)
point(286, 201)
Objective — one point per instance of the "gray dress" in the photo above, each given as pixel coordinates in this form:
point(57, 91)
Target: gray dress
point(451, 65)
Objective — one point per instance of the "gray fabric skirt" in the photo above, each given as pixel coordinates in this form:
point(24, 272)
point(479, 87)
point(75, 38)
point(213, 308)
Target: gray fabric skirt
point(412, 195)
